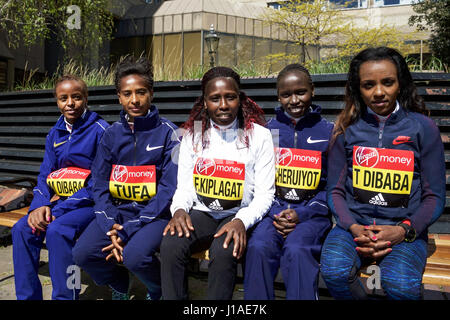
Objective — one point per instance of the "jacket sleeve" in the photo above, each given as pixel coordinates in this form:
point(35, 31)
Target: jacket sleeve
point(167, 184)
point(105, 211)
point(432, 175)
point(264, 187)
point(185, 193)
point(337, 176)
point(42, 193)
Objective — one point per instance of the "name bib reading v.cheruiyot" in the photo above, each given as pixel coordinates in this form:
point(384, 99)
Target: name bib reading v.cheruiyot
point(135, 183)
point(382, 177)
point(66, 181)
point(297, 173)
point(219, 184)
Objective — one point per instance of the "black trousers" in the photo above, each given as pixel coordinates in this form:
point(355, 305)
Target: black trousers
point(176, 251)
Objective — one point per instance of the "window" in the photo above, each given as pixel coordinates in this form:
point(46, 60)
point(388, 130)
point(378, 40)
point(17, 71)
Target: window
point(350, 3)
point(380, 3)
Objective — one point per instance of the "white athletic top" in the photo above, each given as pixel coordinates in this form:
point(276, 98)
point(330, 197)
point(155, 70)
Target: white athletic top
point(259, 160)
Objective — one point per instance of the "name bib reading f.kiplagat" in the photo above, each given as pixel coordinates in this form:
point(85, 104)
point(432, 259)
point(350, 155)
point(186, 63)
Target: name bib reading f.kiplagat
point(297, 173)
point(66, 181)
point(136, 183)
point(219, 184)
point(382, 177)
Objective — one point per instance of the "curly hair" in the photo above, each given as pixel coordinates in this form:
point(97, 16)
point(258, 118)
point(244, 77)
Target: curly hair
point(354, 105)
point(130, 65)
point(291, 68)
point(249, 112)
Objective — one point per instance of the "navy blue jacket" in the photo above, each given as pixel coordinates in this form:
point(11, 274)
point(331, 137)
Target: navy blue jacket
point(311, 132)
point(427, 197)
point(64, 149)
point(120, 146)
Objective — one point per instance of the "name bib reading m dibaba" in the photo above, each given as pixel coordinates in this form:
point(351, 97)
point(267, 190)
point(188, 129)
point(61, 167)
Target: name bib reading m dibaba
point(382, 177)
point(66, 181)
point(134, 183)
point(219, 184)
point(297, 173)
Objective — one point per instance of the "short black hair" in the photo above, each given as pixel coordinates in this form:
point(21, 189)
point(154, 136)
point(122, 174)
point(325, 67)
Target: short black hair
point(130, 65)
point(294, 67)
point(71, 77)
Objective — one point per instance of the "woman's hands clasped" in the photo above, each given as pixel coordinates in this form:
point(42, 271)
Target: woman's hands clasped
point(376, 241)
point(181, 223)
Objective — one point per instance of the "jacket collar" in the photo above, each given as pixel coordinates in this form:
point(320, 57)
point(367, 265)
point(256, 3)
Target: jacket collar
point(144, 123)
point(86, 118)
point(394, 117)
point(312, 115)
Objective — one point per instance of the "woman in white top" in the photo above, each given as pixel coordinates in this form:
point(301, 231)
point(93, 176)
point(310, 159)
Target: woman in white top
point(225, 185)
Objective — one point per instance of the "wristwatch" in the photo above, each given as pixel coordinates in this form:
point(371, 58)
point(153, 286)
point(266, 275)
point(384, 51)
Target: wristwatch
point(410, 232)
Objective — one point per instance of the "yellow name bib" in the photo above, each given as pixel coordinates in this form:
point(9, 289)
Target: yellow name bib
point(135, 183)
point(382, 177)
point(219, 184)
point(298, 173)
point(66, 181)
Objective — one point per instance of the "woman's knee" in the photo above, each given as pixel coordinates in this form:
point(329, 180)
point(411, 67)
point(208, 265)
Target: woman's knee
point(173, 247)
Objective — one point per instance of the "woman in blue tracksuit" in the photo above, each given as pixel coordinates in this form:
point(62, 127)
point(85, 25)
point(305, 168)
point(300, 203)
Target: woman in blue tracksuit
point(134, 181)
point(292, 233)
point(386, 180)
point(70, 148)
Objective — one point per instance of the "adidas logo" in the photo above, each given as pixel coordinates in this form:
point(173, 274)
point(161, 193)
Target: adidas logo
point(292, 195)
point(378, 200)
point(215, 205)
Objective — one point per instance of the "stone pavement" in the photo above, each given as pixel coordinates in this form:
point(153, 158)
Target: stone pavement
point(90, 291)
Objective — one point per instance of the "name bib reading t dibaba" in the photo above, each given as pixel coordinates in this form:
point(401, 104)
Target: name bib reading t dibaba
point(297, 173)
point(66, 181)
point(134, 183)
point(382, 177)
point(219, 184)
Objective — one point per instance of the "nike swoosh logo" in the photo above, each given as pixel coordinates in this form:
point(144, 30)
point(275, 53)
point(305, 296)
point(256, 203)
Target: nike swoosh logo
point(309, 140)
point(58, 144)
point(153, 148)
point(400, 140)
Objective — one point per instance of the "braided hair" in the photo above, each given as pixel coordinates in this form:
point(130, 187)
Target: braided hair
point(249, 112)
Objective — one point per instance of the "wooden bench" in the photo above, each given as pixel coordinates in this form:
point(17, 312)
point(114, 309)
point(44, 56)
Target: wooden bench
point(9, 218)
point(437, 269)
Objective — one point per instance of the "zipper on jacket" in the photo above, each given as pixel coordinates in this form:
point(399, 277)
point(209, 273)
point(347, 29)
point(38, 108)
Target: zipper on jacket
point(135, 146)
point(295, 138)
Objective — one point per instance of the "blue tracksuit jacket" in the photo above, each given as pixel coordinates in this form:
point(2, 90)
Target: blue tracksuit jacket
point(403, 130)
point(64, 149)
point(311, 132)
point(152, 143)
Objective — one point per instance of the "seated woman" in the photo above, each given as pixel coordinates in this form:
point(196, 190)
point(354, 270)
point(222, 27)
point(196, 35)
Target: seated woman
point(386, 180)
point(134, 181)
point(292, 234)
point(225, 185)
point(70, 148)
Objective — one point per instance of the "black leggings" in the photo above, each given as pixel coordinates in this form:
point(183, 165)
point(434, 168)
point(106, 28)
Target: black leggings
point(176, 251)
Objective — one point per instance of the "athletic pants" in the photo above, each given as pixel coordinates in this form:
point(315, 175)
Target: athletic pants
point(401, 270)
point(176, 251)
point(138, 257)
point(60, 235)
point(297, 255)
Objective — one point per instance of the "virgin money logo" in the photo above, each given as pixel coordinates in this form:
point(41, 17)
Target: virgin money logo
point(283, 156)
point(120, 174)
point(206, 167)
point(58, 174)
point(366, 157)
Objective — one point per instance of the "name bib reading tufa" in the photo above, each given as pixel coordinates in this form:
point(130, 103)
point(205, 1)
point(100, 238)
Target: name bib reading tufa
point(134, 183)
point(382, 177)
